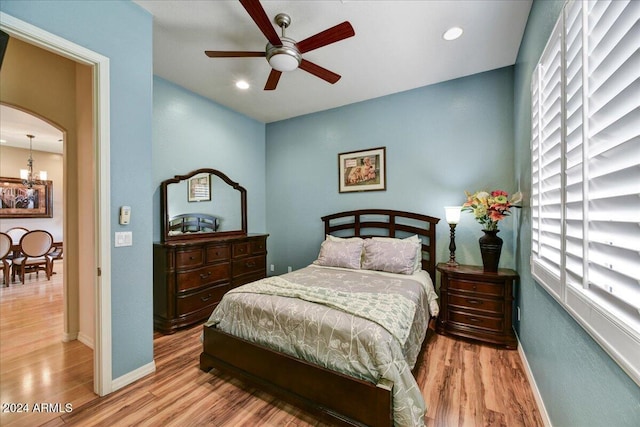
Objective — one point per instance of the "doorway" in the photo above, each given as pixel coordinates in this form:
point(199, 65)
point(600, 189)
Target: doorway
point(98, 150)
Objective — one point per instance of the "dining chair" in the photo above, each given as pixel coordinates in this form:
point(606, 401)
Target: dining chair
point(16, 233)
point(34, 247)
point(5, 251)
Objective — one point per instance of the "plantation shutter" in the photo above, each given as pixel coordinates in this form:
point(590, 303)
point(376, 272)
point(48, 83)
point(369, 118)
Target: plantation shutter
point(585, 197)
point(547, 260)
point(612, 156)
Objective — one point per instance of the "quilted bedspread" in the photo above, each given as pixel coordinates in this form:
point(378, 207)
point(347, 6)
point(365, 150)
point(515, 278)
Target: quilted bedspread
point(369, 325)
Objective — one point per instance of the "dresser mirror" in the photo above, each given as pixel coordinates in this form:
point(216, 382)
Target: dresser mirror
point(204, 203)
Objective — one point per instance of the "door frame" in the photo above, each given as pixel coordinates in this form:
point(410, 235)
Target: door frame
point(102, 362)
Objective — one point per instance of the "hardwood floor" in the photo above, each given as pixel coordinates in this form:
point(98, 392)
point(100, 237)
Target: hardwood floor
point(464, 384)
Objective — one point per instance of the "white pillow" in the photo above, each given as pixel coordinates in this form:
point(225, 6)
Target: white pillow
point(345, 253)
point(390, 255)
point(418, 261)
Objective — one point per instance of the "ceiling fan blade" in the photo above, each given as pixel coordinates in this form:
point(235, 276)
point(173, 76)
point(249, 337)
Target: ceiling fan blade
point(328, 36)
point(272, 81)
point(233, 54)
point(318, 71)
point(259, 16)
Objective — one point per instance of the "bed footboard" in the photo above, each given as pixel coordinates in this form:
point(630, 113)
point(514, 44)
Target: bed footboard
point(332, 396)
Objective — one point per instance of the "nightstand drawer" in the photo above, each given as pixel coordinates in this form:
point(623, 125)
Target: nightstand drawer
point(487, 288)
point(475, 303)
point(495, 324)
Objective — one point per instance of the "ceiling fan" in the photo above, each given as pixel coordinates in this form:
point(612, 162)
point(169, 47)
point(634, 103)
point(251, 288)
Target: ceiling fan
point(284, 53)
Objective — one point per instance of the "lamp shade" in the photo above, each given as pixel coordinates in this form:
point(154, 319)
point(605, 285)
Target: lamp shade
point(452, 214)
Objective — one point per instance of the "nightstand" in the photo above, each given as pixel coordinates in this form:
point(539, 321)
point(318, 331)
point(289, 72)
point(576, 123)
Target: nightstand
point(477, 305)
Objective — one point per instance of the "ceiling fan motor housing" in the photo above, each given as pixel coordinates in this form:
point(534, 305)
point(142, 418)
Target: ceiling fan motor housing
point(284, 58)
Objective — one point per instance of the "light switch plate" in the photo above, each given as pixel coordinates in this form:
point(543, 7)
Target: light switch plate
point(124, 238)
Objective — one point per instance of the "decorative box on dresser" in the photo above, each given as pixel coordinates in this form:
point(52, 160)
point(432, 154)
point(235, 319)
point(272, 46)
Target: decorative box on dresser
point(477, 305)
point(191, 276)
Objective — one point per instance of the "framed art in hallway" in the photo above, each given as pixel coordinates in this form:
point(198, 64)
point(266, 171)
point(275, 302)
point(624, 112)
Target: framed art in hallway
point(18, 201)
point(363, 170)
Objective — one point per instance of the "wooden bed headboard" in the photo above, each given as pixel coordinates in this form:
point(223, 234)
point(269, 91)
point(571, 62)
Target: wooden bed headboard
point(387, 223)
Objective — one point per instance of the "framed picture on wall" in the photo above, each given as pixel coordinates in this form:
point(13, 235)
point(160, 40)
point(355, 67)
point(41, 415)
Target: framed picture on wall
point(362, 170)
point(199, 188)
point(19, 201)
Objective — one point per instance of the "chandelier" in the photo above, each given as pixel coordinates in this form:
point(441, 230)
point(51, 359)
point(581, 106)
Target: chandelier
point(27, 176)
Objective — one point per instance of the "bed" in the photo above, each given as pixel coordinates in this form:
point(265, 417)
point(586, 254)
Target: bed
point(349, 369)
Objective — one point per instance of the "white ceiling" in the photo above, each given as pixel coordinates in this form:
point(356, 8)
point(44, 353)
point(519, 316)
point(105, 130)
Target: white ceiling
point(15, 125)
point(398, 46)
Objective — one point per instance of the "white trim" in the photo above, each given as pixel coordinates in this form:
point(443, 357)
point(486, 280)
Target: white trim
point(102, 378)
point(67, 336)
point(86, 340)
point(534, 386)
point(133, 376)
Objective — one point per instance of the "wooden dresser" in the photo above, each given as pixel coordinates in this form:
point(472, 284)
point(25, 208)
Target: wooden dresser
point(190, 277)
point(477, 305)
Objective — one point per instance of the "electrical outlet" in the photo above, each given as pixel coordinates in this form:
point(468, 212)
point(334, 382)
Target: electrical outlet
point(272, 268)
point(289, 269)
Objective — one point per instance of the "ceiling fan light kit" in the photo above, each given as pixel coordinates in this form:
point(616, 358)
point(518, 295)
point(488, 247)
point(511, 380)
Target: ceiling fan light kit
point(283, 53)
point(285, 57)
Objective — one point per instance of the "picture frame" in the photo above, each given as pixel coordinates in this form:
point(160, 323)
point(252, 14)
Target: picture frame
point(363, 170)
point(199, 188)
point(18, 201)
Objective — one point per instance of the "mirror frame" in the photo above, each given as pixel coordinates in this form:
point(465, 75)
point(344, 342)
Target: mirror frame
point(164, 211)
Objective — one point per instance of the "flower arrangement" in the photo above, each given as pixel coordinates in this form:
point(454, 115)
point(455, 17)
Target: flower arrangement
point(489, 208)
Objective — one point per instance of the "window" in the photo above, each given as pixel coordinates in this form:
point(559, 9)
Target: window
point(585, 153)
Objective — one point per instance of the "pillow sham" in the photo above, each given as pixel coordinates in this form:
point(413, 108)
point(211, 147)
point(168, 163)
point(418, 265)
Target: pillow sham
point(345, 253)
point(390, 255)
point(418, 260)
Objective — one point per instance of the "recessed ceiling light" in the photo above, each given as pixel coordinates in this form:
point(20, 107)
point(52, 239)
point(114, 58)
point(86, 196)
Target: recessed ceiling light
point(452, 33)
point(242, 84)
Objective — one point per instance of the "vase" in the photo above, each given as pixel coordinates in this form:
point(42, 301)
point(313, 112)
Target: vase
point(490, 248)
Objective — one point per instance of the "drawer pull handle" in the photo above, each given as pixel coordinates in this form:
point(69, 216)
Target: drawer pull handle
point(192, 257)
point(474, 319)
point(205, 275)
point(205, 299)
point(474, 301)
point(250, 264)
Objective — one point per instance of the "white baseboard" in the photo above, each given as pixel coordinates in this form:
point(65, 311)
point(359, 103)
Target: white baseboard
point(69, 336)
point(133, 376)
point(86, 340)
point(534, 386)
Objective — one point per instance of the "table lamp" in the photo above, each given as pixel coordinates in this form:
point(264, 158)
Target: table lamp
point(452, 214)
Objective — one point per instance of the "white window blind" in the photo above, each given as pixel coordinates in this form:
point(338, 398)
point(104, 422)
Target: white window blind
point(585, 199)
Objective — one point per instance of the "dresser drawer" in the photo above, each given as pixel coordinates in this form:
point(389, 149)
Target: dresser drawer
point(241, 249)
point(217, 253)
point(474, 303)
point(203, 276)
point(190, 258)
point(495, 324)
point(201, 299)
point(487, 288)
point(258, 246)
point(256, 264)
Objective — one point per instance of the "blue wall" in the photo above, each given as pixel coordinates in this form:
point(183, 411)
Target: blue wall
point(579, 383)
point(121, 31)
point(191, 132)
point(440, 141)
